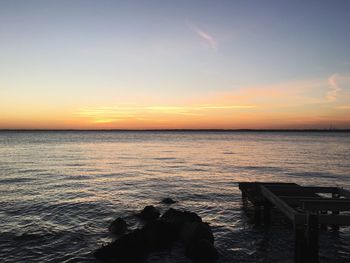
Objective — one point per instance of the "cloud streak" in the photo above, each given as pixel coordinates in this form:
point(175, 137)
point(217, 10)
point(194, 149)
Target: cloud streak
point(205, 37)
point(302, 103)
point(333, 88)
point(120, 113)
point(343, 107)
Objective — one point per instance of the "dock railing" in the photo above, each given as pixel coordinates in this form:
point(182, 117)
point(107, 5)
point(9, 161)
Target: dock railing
point(306, 207)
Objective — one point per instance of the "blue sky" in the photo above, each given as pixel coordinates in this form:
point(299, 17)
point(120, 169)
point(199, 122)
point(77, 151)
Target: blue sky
point(70, 55)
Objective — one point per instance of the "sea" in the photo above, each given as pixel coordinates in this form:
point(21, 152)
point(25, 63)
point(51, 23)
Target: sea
point(60, 190)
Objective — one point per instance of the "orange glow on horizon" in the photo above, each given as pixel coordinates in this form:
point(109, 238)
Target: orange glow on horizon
point(290, 105)
point(196, 117)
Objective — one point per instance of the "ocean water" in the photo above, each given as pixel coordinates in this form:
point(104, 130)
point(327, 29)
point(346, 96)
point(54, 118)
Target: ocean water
point(60, 190)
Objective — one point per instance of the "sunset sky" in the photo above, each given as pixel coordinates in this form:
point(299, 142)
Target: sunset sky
point(83, 64)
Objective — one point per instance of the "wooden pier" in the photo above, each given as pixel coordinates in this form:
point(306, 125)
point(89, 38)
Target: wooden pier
point(307, 208)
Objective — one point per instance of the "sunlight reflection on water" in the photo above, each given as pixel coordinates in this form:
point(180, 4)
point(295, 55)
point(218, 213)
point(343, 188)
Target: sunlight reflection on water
point(60, 190)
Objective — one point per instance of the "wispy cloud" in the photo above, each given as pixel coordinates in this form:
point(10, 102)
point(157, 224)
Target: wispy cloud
point(343, 107)
point(120, 113)
point(204, 36)
point(228, 107)
point(333, 88)
point(288, 104)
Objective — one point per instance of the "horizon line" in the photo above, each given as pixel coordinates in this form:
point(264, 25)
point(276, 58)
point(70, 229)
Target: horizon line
point(184, 130)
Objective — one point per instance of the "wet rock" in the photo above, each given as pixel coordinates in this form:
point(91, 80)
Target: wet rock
point(180, 218)
point(159, 234)
point(202, 251)
point(168, 201)
point(131, 248)
point(118, 226)
point(197, 231)
point(136, 245)
point(197, 237)
point(149, 213)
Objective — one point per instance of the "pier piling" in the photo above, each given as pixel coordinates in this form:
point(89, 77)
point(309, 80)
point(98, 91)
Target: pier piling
point(306, 207)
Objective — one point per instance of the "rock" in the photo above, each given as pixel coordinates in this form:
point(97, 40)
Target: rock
point(149, 213)
point(187, 232)
point(168, 201)
point(136, 245)
point(180, 218)
point(159, 234)
point(118, 226)
point(202, 251)
point(192, 232)
point(203, 231)
point(129, 248)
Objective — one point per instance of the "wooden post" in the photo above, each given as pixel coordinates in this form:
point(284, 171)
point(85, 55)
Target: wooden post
point(300, 245)
point(335, 195)
point(335, 212)
point(312, 237)
point(244, 198)
point(335, 227)
point(324, 226)
point(257, 215)
point(267, 212)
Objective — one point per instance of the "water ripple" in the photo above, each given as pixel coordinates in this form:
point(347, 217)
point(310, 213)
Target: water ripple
point(59, 191)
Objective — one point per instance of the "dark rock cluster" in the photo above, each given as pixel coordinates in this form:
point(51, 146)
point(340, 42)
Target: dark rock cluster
point(159, 233)
point(149, 213)
point(168, 201)
point(118, 226)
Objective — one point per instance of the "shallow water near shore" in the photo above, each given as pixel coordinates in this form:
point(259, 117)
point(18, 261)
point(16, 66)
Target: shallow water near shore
point(60, 190)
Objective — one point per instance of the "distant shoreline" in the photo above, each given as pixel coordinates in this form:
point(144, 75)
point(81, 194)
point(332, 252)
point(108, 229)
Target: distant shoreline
point(177, 130)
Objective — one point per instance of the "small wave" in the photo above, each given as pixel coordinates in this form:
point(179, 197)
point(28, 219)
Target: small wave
point(311, 174)
point(76, 164)
point(176, 166)
point(164, 158)
point(16, 180)
point(23, 171)
point(203, 164)
point(262, 168)
point(27, 237)
point(196, 170)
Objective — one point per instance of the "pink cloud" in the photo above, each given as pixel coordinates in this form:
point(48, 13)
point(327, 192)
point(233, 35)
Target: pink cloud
point(205, 36)
point(333, 88)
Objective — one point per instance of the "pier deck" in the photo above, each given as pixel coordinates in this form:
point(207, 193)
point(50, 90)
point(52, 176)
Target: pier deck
point(306, 207)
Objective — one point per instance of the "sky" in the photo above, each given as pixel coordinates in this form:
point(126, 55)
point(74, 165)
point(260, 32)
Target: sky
point(249, 64)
